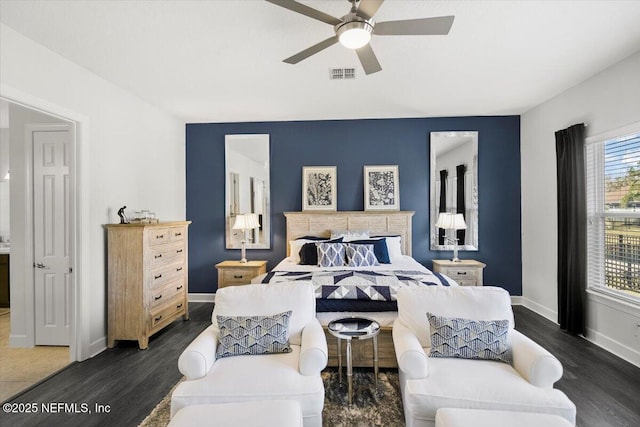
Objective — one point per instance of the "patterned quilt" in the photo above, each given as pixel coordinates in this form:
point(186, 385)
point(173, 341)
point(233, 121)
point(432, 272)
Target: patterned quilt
point(359, 284)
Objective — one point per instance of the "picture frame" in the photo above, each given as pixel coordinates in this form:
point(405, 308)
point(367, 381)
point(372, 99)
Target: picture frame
point(381, 188)
point(319, 188)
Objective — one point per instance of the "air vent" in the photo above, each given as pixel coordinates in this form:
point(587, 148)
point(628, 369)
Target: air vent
point(342, 73)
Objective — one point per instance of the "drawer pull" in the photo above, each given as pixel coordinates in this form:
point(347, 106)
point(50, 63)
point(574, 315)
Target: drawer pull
point(157, 277)
point(179, 306)
point(158, 256)
point(178, 288)
point(178, 234)
point(158, 297)
point(461, 273)
point(179, 251)
point(179, 269)
point(160, 236)
point(237, 277)
point(157, 319)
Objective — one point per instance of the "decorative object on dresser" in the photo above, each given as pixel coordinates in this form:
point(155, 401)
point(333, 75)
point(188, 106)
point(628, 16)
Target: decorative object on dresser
point(319, 188)
point(467, 272)
point(234, 273)
point(243, 223)
point(381, 188)
point(147, 279)
point(452, 222)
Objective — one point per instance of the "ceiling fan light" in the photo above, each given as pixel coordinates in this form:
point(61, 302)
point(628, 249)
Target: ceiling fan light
point(354, 35)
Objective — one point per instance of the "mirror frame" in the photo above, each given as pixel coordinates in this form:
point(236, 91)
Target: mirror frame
point(436, 138)
point(230, 242)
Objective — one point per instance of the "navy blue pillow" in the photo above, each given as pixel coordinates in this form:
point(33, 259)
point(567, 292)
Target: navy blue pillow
point(318, 238)
point(309, 252)
point(380, 249)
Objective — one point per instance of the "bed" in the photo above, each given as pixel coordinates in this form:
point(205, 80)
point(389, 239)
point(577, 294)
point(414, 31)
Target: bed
point(360, 291)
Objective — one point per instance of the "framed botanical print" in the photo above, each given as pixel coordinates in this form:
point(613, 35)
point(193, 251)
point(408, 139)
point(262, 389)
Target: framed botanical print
point(381, 188)
point(319, 188)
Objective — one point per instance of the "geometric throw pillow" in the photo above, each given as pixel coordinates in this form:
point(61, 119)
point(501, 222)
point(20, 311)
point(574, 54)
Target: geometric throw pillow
point(330, 254)
point(469, 339)
point(360, 255)
point(309, 252)
point(379, 248)
point(240, 335)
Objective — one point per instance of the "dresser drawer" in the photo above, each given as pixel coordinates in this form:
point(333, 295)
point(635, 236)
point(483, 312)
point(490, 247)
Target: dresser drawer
point(165, 293)
point(167, 313)
point(166, 254)
point(177, 234)
point(459, 274)
point(158, 236)
point(162, 275)
point(237, 276)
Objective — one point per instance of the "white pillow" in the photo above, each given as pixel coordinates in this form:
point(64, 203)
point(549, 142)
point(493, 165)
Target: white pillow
point(348, 235)
point(394, 246)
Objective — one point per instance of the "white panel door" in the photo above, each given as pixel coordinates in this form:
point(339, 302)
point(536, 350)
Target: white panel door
point(51, 192)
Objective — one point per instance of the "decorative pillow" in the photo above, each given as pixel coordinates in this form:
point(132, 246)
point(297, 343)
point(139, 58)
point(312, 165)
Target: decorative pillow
point(394, 246)
point(349, 235)
point(241, 335)
point(330, 254)
point(309, 252)
point(379, 248)
point(294, 248)
point(469, 339)
point(360, 255)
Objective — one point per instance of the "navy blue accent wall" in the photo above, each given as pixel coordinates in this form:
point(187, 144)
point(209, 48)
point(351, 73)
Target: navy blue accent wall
point(349, 145)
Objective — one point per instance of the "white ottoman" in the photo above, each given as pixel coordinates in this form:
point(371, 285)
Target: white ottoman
point(264, 413)
point(456, 417)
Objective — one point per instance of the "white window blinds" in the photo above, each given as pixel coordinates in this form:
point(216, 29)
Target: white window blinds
point(613, 212)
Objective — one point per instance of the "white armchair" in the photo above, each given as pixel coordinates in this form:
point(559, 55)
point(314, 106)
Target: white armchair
point(428, 384)
point(285, 376)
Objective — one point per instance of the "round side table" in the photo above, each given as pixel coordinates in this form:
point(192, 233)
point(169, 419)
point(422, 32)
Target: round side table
point(354, 328)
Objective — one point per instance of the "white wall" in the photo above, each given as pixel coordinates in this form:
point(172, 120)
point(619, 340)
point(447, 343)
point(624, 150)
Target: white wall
point(4, 184)
point(130, 153)
point(605, 102)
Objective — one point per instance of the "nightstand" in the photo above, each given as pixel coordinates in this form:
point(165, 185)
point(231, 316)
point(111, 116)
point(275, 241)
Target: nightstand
point(235, 273)
point(467, 272)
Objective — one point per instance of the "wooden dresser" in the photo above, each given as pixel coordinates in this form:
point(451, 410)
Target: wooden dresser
point(147, 279)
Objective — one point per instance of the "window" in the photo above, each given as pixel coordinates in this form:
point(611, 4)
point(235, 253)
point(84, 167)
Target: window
point(613, 213)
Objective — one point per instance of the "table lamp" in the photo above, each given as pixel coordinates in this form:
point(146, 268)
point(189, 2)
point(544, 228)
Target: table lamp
point(245, 222)
point(455, 222)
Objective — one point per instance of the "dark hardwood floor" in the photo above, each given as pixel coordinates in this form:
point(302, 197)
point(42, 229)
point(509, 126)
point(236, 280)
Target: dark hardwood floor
point(605, 389)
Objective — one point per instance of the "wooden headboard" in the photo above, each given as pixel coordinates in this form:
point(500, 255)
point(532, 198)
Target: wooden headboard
point(382, 223)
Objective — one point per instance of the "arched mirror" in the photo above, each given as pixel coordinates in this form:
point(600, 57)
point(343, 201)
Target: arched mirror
point(454, 189)
point(247, 191)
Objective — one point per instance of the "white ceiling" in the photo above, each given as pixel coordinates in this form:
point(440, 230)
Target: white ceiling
point(216, 61)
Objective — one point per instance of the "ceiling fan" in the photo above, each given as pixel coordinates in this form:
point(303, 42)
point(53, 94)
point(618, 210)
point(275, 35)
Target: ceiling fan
point(355, 28)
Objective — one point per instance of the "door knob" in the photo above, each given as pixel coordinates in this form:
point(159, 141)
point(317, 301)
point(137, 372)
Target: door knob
point(39, 265)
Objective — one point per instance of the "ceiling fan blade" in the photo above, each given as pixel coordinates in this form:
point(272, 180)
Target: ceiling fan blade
point(311, 50)
point(415, 27)
point(368, 8)
point(306, 10)
point(368, 59)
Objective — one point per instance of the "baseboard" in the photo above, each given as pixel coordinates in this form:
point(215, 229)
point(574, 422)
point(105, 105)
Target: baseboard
point(516, 300)
point(98, 346)
point(622, 351)
point(540, 309)
point(19, 341)
point(202, 297)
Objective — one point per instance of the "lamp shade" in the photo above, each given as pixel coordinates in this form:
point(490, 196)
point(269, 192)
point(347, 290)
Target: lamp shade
point(451, 221)
point(246, 222)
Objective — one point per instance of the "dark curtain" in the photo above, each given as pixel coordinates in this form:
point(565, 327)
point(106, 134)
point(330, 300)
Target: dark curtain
point(572, 236)
point(460, 196)
point(443, 202)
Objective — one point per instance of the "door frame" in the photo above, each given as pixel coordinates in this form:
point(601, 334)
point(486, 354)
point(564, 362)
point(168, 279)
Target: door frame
point(80, 346)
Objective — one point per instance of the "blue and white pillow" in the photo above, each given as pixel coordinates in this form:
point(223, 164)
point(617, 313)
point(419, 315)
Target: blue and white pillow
point(330, 254)
point(244, 335)
point(360, 255)
point(469, 339)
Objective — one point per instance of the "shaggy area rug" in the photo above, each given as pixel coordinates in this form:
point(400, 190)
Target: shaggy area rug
point(381, 406)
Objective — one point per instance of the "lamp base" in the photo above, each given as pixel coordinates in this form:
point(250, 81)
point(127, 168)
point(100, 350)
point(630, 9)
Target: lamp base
point(243, 253)
point(455, 251)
